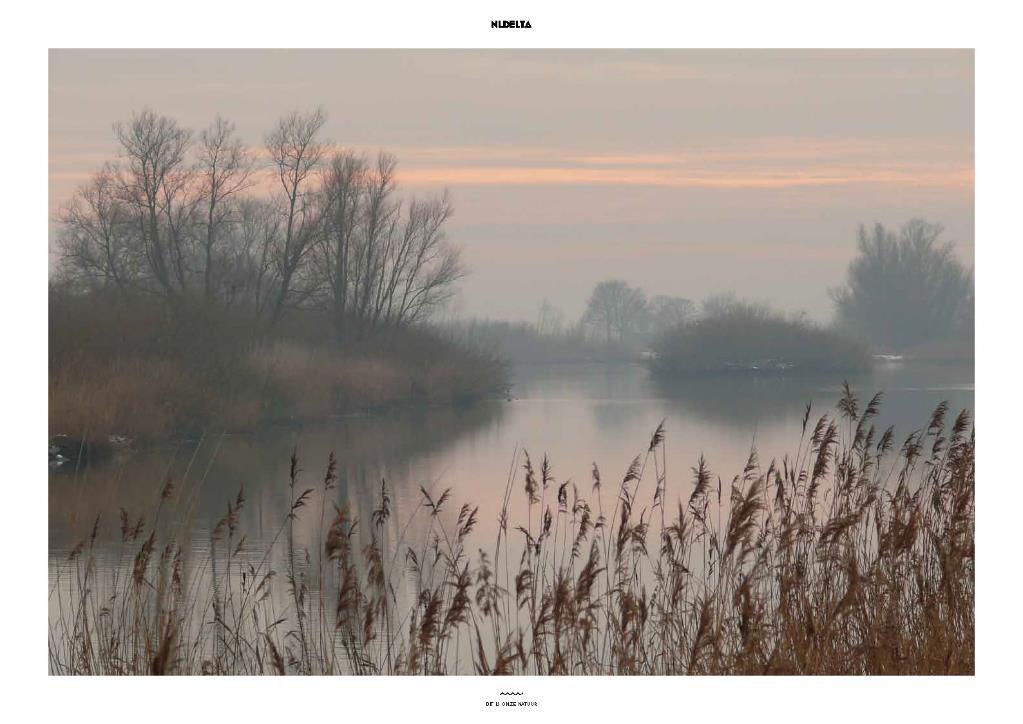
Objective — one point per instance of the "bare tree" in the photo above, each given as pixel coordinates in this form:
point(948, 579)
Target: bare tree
point(245, 272)
point(181, 217)
point(383, 261)
point(719, 303)
point(95, 238)
point(151, 183)
point(549, 319)
point(224, 170)
point(173, 218)
point(344, 190)
point(616, 309)
point(422, 268)
point(380, 213)
point(670, 312)
point(295, 154)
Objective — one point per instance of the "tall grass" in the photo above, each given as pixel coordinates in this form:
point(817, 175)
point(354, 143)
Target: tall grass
point(144, 367)
point(852, 555)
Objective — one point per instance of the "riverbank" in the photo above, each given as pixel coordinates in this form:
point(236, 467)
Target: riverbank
point(147, 370)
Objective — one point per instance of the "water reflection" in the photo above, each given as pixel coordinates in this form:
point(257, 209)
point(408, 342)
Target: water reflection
point(579, 415)
point(909, 393)
point(207, 473)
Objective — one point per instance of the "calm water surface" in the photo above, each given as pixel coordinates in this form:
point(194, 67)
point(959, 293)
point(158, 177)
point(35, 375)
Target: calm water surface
point(578, 415)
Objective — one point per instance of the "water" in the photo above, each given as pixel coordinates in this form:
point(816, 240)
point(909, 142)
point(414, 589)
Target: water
point(578, 415)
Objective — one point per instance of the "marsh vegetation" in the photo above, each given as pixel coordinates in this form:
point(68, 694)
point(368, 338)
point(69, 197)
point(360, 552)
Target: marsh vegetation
point(285, 438)
point(206, 284)
point(736, 337)
point(851, 555)
point(205, 288)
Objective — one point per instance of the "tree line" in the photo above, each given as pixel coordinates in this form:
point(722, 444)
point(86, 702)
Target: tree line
point(618, 312)
point(904, 288)
point(297, 223)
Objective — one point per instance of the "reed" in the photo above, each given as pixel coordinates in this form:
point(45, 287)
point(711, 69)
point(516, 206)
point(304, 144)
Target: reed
point(853, 555)
point(146, 369)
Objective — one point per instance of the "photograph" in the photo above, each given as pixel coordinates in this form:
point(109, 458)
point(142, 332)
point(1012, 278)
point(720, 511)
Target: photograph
point(662, 364)
point(574, 362)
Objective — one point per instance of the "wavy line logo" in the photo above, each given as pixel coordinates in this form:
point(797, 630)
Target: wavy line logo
point(511, 699)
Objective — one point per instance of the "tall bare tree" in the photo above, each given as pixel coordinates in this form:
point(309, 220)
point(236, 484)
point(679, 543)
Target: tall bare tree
point(344, 191)
point(383, 261)
point(174, 218)
point(421, 268)
point(152, 181)
point(224, 171)
point(253, 244)
point(295, 152)
point(379, 218)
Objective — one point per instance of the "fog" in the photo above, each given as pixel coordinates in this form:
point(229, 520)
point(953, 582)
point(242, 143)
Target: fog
point(452, 290)
point(685, 173)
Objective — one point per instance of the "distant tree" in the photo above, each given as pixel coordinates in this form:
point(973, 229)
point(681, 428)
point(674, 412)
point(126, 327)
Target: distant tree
point(905, 289)
point(670, 312)
point(728, 304)
point(549, 319)
point(717, 304)
point(616, 310)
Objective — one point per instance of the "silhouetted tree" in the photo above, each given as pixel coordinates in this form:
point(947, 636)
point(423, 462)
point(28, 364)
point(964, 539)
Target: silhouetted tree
point(381, 260)
point(549, 319)
point(295, 153)
point(343, 187)
point(669, 312)
point(905, 289)
point(95, 236)
point(152, 184)
point(172, 218)
point(616, 310)
point(223, 172)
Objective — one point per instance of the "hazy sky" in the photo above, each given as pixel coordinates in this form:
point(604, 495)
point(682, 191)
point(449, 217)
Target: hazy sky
point(685, 172)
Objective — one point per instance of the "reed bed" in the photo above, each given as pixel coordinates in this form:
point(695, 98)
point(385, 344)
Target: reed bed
point(144, 369)
point(853, 555)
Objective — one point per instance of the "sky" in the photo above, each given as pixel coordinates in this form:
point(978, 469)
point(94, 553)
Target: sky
point(686, 173)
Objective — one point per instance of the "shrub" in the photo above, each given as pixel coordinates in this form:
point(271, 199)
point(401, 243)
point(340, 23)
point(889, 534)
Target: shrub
point(741, 337)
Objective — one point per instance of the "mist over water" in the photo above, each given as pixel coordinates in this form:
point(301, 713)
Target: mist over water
point(322, 342)
point(577, 415)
